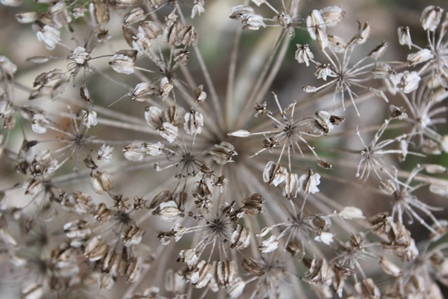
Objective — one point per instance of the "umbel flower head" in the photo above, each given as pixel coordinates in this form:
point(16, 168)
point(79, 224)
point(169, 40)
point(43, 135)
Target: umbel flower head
point(170, 149)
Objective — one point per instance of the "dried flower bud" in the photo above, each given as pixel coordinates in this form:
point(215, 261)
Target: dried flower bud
point(309, 182)
point(27, 17)
point(273, 174)
point(151, 29)
point(379, 51)
point(40, 124)
point(253, 267)
point(123, 61)
point(132, 235)
point(291, 185)
point(389, 267)
point(101, 182)
point(404, 36)
point(95, 249)
point(323, 71)
point(199, 94)
point(134, 16)
point(363, 32)
point(223, 153)
point(368, 289)
point(78, 229)
point(226, 273)
point(235, 290)
point(406, 82)
point(269, 245)
point(431, 17)
point(337, 44)
point(240, 238)
point(198, 8)
point(168, 211)
point(352, 213)
point(303, 54)
point(240, 12)
point(89, 118)
point(332, 15)
point(105, 153)
point(419, 57)
point(253, 22)
point(325, 238)
point(194, 121)
point(49, 35)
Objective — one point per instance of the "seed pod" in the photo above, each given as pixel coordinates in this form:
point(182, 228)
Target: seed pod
point(132, 235)
point(389, 267)
point(100, 182)
point(96, 249)
point(253, 267)
point(77, 229)
point(368, 289)
point(240, 238)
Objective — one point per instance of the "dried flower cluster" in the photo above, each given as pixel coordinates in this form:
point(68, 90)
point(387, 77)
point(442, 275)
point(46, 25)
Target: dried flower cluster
point(161, 151)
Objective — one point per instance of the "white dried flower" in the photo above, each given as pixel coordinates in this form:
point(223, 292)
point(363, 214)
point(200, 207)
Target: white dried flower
point(101, 182)
point(194, 121)
point(419, 57)
point(89, 118)
point(352, 213)
point(253, 22)
point(325, 238)
point(404, 36)
point(309, 182)
point(269, 245)
point(40, 124)
point(49, 35)
point(431, 17)
point(122, 63)
point(406, 82)
point(105, 153)
point(303, 54)
point(198, 8)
